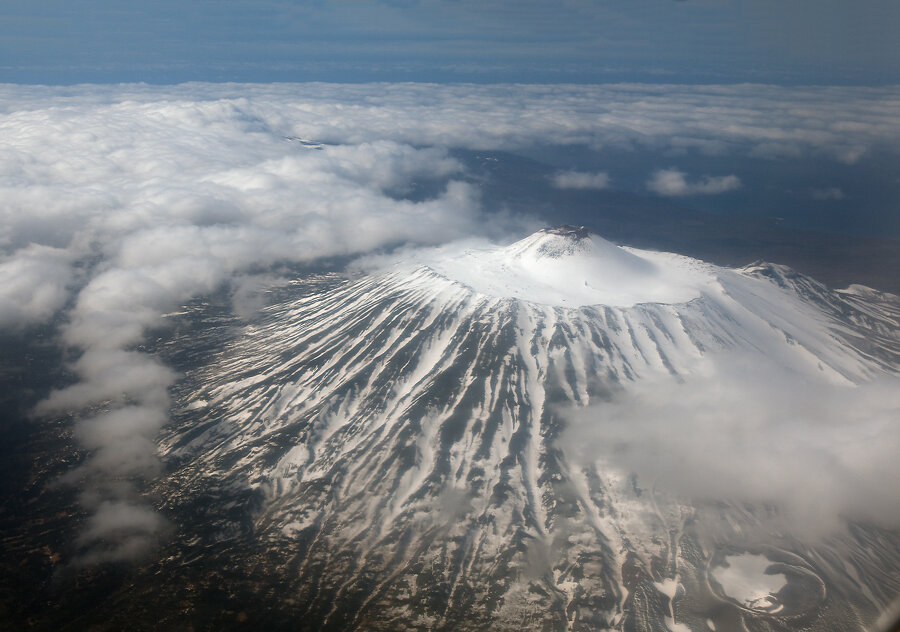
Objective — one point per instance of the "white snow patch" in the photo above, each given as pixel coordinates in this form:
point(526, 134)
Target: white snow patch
point(668, 587)
point(744, 579)
point(565, 271)
point(291, 462)
point(296, 527)
point(676, 627)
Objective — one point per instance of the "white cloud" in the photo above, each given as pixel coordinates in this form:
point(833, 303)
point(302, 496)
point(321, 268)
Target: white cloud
point(118, 531)
point(581, 180)
point(743, 430)
point(841, 122)
point(125, 208)
point(113, 375)
point(674, 183)
point(33, 285)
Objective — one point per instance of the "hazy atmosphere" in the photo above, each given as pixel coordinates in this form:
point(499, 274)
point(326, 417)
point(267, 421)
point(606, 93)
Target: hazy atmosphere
point(532, 41)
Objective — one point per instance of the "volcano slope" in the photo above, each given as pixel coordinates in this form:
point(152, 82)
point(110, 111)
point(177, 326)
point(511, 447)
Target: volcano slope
point(389, 453)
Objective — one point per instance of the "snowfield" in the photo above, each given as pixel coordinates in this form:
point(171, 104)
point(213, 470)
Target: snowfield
point(554, 269)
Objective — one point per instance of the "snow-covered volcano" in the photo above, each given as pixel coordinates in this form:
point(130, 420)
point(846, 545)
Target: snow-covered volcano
point(395, 439)
point(570, 267)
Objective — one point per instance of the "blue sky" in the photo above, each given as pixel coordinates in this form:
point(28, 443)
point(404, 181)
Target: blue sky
point(582, 41)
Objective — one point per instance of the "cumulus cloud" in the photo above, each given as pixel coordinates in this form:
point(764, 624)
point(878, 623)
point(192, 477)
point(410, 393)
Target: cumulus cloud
point(34, 285)
point(119, 210)
point(674, 183)
point(581, 180)
point(119, 531)
point(743, 430)
point(112, 375)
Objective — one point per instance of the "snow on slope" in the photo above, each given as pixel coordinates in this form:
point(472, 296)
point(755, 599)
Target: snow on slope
point(399, 431)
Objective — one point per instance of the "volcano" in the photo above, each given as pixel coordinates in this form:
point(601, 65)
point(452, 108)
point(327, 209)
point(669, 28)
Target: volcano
point(387, 448)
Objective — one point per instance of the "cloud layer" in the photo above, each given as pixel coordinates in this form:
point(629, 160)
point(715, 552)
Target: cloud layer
point(838, 122)
point(125, 209)
point(122, 202)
